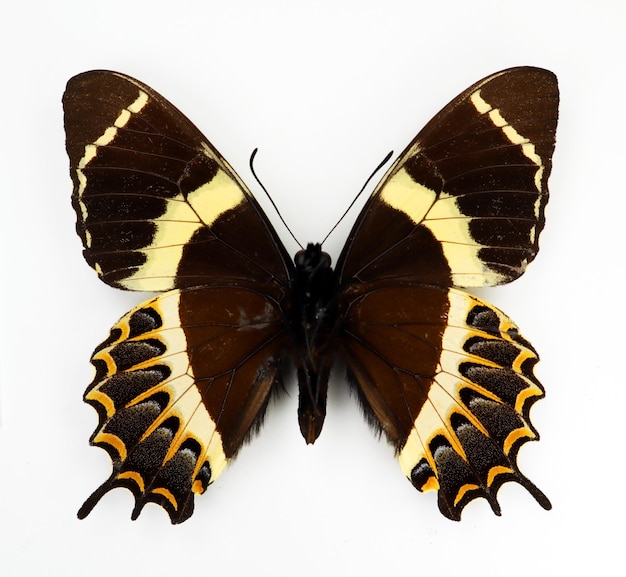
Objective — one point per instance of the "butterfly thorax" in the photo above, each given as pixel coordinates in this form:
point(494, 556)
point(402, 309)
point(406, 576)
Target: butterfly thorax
point(313, 324)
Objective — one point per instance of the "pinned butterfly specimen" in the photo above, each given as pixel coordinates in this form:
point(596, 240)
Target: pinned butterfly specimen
point(183, 380)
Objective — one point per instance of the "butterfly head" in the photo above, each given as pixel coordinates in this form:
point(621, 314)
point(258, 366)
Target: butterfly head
point(312, 259)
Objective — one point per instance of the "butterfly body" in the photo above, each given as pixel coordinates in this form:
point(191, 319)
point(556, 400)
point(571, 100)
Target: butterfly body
point(315, 327)
point(183, 380)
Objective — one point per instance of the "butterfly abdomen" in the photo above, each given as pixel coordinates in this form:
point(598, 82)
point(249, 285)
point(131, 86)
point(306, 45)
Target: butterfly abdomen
point(313, 320)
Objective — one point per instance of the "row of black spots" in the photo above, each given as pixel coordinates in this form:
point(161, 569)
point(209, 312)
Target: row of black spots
point(146, 458)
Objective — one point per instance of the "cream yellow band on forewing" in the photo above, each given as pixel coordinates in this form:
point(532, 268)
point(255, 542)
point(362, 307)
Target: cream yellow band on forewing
point(440, 213)
point(175, 228)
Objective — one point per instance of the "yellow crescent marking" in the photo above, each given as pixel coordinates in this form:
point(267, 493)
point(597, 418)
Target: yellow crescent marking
point(104, 400)
point(167, 494)
point(135, 476)
point(103, 355)
point(495, 471)
point(514, 436)
point(198, 487)
point(114, 441)
point(531, 391)
point(521, 358)
point(431, 485)
point(463, 490)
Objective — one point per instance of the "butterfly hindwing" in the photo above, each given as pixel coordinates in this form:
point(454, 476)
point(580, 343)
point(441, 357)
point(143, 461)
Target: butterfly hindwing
point(449, 379)
point(180, 383)
point(463, 205)
point(157, 206)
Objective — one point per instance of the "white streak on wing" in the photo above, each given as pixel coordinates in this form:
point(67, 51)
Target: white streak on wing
point(91, 150)
point(528, 148)
point(441, 215)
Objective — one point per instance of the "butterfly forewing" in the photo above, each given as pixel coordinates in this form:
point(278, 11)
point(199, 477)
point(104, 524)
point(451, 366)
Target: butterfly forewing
point(464, 204)
point(157, 206)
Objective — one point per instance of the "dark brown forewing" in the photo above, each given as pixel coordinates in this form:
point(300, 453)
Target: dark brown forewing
point(157, 206)
point(180, 384)
point(464, 204)
point(449, 380)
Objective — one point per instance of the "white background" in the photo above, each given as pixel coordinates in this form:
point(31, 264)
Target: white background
point(325, 90)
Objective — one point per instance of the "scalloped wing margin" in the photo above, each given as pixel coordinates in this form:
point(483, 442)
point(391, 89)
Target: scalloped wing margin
point(179, 388)
point(449, 379)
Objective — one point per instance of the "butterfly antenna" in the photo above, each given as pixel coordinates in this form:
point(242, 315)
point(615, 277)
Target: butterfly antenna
point(381, 164)
point(270, 198)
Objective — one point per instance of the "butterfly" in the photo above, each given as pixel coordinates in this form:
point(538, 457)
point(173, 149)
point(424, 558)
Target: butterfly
point(184, 379)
